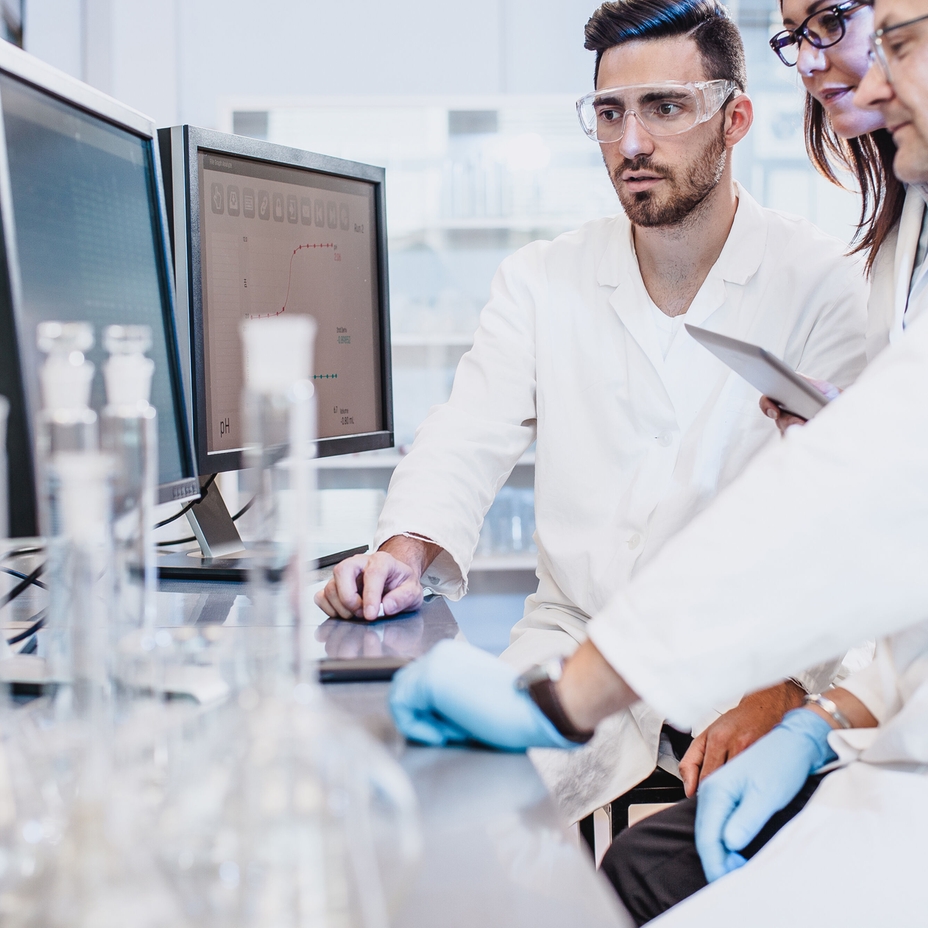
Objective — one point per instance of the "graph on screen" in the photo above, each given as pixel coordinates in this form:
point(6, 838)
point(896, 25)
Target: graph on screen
point(278, 240)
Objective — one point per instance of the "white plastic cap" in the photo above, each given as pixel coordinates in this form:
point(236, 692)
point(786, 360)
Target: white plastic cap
point(64, 337)
point(66, 375)
point(278, 352)
point(127, 373)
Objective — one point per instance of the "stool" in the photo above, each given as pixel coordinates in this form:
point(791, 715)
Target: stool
point(660, 786)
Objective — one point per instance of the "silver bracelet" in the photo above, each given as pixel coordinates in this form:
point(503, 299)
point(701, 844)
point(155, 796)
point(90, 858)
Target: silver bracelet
point(828, 705)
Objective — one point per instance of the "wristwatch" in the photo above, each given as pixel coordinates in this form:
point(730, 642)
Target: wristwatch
point(540, 684)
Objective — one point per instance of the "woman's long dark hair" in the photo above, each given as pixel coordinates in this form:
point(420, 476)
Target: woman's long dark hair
point(869, 158)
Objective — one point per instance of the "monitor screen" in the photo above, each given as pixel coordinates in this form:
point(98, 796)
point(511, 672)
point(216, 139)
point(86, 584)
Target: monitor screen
point(263, 231)
point(90, 241)
point(278, 240)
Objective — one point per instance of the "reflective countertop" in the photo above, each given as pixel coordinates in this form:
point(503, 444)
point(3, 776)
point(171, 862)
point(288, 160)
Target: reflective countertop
point(496, 852)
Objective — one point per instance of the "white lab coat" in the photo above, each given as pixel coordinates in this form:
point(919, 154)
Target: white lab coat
point(820, 543)
point(890, 281)
point(630, 445)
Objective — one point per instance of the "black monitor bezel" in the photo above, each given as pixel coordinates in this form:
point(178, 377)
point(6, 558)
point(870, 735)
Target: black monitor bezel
point(17, 345)
point(179, 148)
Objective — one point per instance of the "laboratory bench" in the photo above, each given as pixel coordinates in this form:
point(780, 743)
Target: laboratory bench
point(495, 851)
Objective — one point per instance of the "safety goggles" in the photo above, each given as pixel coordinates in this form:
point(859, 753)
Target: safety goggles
point(666, 108)
point(822, 29)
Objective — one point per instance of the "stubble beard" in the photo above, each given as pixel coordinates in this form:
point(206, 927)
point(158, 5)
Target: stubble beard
point(684, 195)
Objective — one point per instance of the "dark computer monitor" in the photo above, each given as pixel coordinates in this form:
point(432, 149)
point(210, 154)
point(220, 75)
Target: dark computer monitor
point(261, 230)
point(84, 237)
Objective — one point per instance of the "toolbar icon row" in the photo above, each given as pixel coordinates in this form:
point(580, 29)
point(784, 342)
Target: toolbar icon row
point(227, 198)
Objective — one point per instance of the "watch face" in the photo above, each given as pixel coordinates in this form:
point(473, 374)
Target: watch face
point(549, 670)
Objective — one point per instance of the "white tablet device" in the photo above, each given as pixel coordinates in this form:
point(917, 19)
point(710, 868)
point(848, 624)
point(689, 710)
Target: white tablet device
point(791, 392)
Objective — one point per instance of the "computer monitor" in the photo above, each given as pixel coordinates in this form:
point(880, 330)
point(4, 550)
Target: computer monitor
point(84, 237)
point(262, 230)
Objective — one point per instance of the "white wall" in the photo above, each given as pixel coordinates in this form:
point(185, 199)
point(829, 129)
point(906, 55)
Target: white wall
point(174, 59)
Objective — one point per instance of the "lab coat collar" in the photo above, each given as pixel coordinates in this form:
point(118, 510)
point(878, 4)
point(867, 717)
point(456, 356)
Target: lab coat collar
point(738, 262)
point(910, 225)
point(740, 258)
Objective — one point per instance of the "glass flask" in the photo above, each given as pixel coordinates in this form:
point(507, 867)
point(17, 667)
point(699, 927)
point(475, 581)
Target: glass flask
point(97, 869)
point(277, 804)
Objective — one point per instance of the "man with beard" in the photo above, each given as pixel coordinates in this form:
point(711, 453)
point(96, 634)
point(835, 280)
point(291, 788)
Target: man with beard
point(581, 348)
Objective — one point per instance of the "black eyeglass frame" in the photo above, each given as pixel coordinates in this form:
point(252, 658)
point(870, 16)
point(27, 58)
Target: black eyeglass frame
point(878, 54)
point(790, 37)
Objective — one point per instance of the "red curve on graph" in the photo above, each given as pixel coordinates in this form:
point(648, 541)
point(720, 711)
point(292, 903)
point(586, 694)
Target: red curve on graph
point(283, 308)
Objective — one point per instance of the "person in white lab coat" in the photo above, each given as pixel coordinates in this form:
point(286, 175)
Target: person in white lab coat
point(581, 348)
point(827, 43)
point(820, 542)
point(867, 811)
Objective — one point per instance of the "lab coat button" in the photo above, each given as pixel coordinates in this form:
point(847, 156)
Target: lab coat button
point(664, 439)
point(634, 541)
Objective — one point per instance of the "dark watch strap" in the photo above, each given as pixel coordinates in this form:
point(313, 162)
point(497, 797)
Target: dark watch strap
point(544, 695)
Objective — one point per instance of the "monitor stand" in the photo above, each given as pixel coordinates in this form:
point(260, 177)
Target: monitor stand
point(223, 555)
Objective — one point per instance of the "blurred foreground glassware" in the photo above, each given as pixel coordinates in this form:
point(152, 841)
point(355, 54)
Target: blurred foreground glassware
point(129, 434)
point(98, 870)
point(279, 417)
point(278, 805)
point(67, 426)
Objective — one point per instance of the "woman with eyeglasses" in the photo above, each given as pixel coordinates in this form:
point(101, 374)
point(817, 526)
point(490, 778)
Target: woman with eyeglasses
point(829, 45)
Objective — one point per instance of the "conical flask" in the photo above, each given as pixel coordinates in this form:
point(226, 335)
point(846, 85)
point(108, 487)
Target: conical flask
point(277, 829)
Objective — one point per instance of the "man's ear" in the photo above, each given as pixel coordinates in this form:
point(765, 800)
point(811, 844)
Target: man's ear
point(739, 114)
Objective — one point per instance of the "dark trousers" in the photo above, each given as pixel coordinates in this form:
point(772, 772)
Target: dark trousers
point(654, 865)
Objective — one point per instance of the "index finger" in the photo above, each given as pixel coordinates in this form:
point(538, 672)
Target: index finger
point(716, 755)
point(769, 408)
point(349, 579)
point(378, 570)
point(691, 764)
point(782, 418)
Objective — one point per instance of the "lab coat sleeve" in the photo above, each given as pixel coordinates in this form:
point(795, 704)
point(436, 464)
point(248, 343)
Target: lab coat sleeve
point(834, 351)
point(466, 448)
point(876, 686)
point(820, 677)
point(819, 544)
point(835, 348)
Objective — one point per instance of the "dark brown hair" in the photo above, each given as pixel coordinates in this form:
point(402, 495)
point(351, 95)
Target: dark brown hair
point(706, 21)
point(869, 158)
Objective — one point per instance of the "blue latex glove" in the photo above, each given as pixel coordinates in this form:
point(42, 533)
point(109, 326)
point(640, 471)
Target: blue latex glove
point(459, 693)
point(736, 801)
